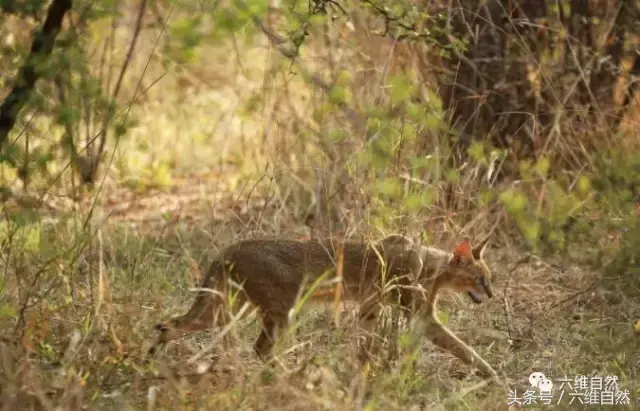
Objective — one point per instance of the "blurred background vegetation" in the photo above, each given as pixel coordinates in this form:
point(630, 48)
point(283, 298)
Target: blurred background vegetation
point(136, 137)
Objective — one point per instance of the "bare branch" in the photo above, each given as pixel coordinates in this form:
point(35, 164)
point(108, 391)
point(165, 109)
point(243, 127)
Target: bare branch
point(104, 131)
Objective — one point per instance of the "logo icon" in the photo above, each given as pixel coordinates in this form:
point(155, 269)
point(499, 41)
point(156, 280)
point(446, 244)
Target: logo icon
point(535, 378)
point(545, 385)
point(540, 381)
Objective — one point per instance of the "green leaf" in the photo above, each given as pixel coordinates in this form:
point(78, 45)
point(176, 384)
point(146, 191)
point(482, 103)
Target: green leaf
point(416, 201)
point(401, 89)
point(340, 95)
point(531, 230)
point(443, 317)
point(389, 187)
point(336, 136)
point(409, 132)
point(477, 152)
point(542, 166)
point(584, 185)
point(416, 112)
point(7, 311)
point(344, 78)
point(513, 200)
point(413, 202)
point(432, 121)
point(452, 175)
point(486, 196)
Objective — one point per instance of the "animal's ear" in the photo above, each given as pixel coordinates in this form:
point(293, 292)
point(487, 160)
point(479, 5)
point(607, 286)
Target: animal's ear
point(462, 252)
point(478, 250)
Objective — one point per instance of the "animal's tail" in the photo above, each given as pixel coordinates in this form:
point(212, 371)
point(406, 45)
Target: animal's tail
point(199, 317)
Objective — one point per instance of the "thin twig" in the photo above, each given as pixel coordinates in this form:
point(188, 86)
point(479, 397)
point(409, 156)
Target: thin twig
point(127, 61)
point(573, 296)
point(505, 299)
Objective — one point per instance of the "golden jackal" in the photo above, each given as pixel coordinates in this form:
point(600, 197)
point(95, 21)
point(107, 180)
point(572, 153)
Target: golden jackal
point(272, 274)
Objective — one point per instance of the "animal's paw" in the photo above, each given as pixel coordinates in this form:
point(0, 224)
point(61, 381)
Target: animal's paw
point(459, 374)
point(151, 352)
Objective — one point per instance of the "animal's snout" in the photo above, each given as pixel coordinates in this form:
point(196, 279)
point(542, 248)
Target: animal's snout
point(487, 287)
point(161, 327)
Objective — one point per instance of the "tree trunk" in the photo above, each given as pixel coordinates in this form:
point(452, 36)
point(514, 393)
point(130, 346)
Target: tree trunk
point(41, 49)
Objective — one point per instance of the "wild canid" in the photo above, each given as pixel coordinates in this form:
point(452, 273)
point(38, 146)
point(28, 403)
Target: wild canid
point(273, 274)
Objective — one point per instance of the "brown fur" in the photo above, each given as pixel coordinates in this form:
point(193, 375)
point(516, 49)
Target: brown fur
point(275, 272)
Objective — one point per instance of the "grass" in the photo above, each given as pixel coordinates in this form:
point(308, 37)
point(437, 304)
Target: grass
point(548, 316)
point(80, 292)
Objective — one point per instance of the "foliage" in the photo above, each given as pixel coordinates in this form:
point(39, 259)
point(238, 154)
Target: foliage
point(214, 121)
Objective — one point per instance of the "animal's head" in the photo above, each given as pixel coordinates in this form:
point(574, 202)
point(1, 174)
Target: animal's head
point(467, 272)
point(174, 328)
point(166, 332)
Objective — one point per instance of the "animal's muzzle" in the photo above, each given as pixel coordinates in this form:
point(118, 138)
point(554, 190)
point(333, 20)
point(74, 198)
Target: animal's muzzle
point(487, 287)
point(161, 327)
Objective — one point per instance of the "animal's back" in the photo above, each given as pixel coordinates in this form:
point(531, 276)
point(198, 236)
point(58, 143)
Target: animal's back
point(272, 270)
point(285, 263)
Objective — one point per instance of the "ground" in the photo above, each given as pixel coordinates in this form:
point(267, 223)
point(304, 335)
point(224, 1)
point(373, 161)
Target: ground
point(547, 316)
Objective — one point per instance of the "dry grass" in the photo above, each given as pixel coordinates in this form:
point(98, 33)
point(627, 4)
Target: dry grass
point(85, 298)
point(547, 315)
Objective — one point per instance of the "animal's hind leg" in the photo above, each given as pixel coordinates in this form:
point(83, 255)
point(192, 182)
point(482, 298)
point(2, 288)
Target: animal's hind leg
point(402, 309)
point(405, 310)
point(272, 328)
point(368, 316)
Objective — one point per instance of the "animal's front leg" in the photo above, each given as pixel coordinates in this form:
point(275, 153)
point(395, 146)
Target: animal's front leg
point(446, 340)
point(272, 328)
point(368, 317)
